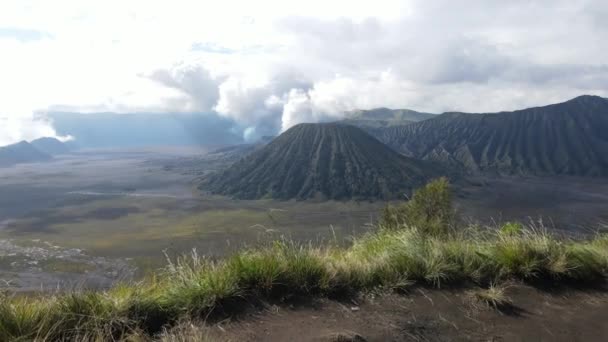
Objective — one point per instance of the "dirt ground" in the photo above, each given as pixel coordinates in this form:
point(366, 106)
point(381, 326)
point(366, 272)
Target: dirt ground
point(429, 315)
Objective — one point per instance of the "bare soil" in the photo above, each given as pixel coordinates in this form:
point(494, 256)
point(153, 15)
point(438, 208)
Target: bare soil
point(429, 315)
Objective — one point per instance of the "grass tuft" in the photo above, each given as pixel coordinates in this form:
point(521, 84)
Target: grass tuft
point(493, 296)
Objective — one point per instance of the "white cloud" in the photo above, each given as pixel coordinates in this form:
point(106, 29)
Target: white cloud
point(198, 87)
point(18, 128)
point(297, 109)
point(328, 100)
point(270, 64)
point(242, 101)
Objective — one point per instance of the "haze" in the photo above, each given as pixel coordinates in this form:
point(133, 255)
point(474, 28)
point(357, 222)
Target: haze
point(258, 68)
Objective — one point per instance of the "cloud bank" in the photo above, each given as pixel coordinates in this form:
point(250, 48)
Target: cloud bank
point(268, 65)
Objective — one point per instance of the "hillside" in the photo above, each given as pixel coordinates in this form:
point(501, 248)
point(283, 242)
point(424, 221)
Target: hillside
point(383, 117)
point(330, 161)
point(569, 138)
point(50, 146)
point(22, 152)
point(235, 152)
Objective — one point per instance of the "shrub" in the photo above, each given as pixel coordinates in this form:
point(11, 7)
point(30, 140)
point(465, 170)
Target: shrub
point(511, 228)
point(430, 210)
point(283, 268)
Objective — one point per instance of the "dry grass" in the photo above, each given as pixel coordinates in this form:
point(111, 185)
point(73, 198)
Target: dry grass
point(493, 296)
point(185, 332)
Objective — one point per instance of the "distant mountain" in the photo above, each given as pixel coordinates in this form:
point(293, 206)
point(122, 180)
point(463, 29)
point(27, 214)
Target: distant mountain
point(383, 117)
point(215, 159)
point(111, 130)
point(50, 146)
point(233, 153)
point(266, 139)
point(22, 152)
point(325, 161)
point(389, 114)
point(569, 138)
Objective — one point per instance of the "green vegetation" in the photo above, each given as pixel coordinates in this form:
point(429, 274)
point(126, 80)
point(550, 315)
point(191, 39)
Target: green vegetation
point(67, 266)
point(430, 209)
point(160, 223)
point(395, 257)
point(512, 228)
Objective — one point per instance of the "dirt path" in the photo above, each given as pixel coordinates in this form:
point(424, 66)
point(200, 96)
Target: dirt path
point(430, 315)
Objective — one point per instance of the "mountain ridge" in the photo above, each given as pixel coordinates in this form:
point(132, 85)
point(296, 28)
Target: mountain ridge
point(383, 117)
point(21, 152)
point(50, 146)
point(568, 138)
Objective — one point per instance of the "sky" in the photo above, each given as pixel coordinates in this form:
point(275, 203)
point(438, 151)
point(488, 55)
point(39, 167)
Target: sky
point(268, 65)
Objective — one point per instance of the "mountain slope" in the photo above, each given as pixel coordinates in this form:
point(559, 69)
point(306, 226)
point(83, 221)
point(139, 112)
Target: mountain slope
point(328, 161)
point(233, 153)
point(22, 152)
point(569, 138)
point(50, 146)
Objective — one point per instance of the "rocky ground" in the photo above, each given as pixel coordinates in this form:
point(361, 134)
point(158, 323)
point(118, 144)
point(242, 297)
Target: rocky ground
point(40, 265)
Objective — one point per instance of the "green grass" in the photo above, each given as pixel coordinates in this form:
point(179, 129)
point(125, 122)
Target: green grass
point(163, 224)
point(193, 287)
point(66, 266)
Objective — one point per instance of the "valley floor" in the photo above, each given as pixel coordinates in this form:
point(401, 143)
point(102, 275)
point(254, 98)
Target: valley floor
point(427, 315)
point(61, 220)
